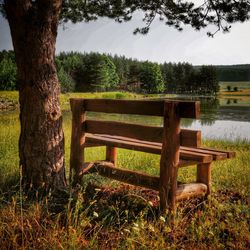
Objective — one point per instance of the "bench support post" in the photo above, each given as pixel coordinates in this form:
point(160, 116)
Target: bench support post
point(77, 139)
point(169, 157)
point(204, 175)
point(111, 154)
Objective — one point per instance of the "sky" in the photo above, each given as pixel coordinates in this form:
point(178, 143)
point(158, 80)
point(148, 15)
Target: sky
point(161, 44)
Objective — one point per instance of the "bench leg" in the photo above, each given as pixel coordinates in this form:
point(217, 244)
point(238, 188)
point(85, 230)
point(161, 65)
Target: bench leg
point(204, 175)
point(167, 190)
point(111, 154)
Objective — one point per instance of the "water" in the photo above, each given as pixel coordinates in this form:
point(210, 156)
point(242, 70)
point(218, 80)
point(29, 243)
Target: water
point(223, 118)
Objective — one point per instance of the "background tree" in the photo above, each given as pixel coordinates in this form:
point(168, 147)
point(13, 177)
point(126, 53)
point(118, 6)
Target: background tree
point(66, 82)
point(208, 82)
point(151, 78)
point(122, 68)
point(33, 26)
point(168, 76)
point(97, 72)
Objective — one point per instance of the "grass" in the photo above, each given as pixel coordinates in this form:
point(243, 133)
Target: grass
point(239, 85)
point(104, 214)
point(243, 90)
point(108, 215)
point(64, 98)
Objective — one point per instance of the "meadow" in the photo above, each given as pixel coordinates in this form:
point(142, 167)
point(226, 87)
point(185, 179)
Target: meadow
point(243, 89)
point(104, 214)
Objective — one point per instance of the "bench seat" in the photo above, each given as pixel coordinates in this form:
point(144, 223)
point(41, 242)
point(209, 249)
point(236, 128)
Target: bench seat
point(188, 155)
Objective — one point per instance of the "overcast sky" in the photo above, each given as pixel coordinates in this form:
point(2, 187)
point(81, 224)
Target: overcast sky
point(161, 44)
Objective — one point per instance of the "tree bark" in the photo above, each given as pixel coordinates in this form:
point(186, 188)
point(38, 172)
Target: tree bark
point(33, 26)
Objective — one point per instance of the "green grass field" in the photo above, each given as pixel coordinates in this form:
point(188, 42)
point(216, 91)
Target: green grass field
point(109, 215)
point(242, 86)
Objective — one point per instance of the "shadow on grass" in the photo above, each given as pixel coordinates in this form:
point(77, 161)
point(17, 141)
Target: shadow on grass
point(9, 187)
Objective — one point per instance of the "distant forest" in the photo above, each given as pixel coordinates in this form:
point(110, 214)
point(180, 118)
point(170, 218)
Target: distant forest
point(233, 73)
point(88, 72)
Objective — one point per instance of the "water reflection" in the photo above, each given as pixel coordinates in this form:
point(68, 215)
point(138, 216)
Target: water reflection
point(225, 118)
point(213, 109)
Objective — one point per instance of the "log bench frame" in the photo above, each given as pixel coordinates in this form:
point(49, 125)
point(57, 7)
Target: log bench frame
point(177, 147)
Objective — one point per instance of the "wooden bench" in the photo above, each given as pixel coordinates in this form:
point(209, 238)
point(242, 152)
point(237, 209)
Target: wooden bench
point(177, 147)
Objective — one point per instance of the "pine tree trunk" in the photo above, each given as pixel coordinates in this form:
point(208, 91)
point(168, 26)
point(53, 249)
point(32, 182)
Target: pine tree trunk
point(41, 144)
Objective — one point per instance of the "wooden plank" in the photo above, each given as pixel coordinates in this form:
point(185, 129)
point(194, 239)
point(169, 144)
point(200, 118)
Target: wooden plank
point(189, 109)
point(153, 148)
point(196, 156)
point(186, 109)
point(107, 169)
point(137, 146)
point(169, 157)
point(204, 175)
point(136, 131)
point(139, 107)
point(77, 138)
point(186, 191)
point(230, 154)
point(217, 155)
point(190, 138)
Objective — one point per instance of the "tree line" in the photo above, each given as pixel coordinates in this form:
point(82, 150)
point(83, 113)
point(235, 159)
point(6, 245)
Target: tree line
point(233, 73)
point(86, 72)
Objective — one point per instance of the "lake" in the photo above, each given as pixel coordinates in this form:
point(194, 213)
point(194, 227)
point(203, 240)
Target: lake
point(224, 118)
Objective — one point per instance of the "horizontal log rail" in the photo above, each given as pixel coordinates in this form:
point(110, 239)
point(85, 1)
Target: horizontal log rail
point(186, 109)
point(107, 169)
point(136, 131)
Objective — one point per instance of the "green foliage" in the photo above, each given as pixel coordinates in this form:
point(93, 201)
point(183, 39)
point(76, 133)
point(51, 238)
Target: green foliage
point(207, 80)
point(100, 72)
point(8, 71)
point(233, 73)
point(151, 78)
point(69, 61)
point(66, 82)
point(173, 13)
point(96, 73)
point(184, 78)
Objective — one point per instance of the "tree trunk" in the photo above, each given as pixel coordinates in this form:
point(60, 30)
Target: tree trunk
point(33, 26)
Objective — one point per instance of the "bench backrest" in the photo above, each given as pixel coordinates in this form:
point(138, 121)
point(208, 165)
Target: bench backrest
point(182, 109)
